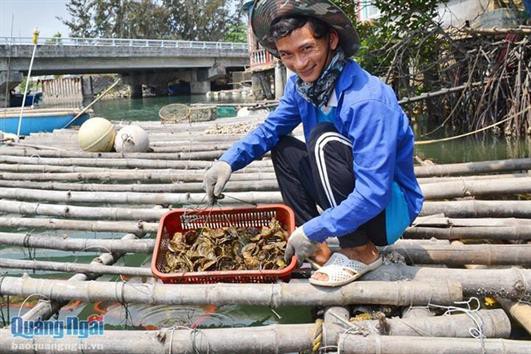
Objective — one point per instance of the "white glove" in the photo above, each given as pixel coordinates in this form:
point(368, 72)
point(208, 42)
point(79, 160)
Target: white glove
point(299, 245)
point(215, 179)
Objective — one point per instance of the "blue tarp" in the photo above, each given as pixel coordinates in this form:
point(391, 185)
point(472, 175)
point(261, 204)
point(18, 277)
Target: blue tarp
point(527, 4)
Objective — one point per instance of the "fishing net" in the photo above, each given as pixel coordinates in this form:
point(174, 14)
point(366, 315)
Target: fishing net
point(175, 112)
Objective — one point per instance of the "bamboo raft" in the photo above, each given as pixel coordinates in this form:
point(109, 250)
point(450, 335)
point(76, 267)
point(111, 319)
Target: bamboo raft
point(464, 248)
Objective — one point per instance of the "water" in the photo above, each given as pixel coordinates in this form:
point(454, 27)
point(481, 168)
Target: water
point(473, 148)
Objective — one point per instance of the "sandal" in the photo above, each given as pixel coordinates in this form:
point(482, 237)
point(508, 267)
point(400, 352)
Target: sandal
point(342, 270)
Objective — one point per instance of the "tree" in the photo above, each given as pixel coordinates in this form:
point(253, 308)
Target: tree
point(80, 12)
point(118, 19)
point(147, 19)
point(102, 18)
point(236, 33)
point(56, 39)
point(205, 20)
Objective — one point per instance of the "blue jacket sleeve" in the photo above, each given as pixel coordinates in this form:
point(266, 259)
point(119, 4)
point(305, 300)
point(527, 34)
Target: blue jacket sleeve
point(280, 122)
point(373, 130)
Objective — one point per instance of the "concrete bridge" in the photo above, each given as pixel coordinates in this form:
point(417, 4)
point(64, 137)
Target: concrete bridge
point(139, 61)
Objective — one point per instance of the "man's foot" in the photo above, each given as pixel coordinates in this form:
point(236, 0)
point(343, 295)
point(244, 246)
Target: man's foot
point(322, 254)
point(365, 254)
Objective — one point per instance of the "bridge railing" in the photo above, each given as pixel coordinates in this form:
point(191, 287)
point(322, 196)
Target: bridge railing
point(121, 42)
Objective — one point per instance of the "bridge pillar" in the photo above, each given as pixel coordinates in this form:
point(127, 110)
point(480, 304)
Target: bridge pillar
point(134, 81)
point(15, 78)
point(199, 83)
point(199, 87)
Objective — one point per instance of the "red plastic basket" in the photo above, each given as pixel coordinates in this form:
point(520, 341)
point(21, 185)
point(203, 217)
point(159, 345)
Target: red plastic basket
point(180, 220)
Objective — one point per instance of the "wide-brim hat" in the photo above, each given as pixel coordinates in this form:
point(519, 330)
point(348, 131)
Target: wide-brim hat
point(264, 12)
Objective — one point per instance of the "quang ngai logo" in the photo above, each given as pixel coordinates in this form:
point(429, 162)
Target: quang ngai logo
point(71, 326)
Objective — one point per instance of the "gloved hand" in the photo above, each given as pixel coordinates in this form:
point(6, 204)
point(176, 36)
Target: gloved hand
point(215, 179)
point(299, 245)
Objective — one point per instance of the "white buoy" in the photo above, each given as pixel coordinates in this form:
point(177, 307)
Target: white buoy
point(131, 139)
point(96, 135)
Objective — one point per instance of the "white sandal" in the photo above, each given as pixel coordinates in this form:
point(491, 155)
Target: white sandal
point(342, 270)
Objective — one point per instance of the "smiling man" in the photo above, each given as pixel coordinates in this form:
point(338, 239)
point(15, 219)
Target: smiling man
point(356, 163)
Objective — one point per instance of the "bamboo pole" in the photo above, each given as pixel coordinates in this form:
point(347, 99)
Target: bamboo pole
point(134, 227)
point(520, 186)
point(479, 208)
point(69, 211)
point(511, 283)
point(518, 232)
point(76, 244)
point(129, 198)
point(274, 295)
point(254, 171)
point(520, 311)
point(355, 344)
point(447, 190)
point(47, 168)
point(190, 148)
point(470, 168)
point(492, 177)
point(463, 208)
point(218, 340)
point(460, 255)
point(496, 30)
point(495, 324)
point(441, 220)
point(416, 252)
point(443, 190)
point(68, 267)
point(232, 186)
point(440, 92)
point(45, 308)
point(162, 175)
point(201, 152)
point(176, 163)
point(264, 339)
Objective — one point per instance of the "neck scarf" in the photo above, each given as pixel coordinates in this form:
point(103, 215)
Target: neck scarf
point(318, 92)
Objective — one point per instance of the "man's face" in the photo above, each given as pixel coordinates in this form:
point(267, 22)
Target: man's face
point(304, 54)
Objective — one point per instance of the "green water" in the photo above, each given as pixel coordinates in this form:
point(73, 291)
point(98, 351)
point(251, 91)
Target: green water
point(474, 148)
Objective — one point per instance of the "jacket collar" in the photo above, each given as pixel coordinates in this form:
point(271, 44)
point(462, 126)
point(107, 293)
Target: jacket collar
point(347, 77)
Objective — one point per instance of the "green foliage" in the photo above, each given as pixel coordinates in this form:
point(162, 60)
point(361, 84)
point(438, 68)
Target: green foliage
point(402, 42)
point(158, 19)
point(236, 33)
point(22, 85)
point(206, 20)
point(130, 19)
point(56, 39)
point(401, 16)
point(79, 12)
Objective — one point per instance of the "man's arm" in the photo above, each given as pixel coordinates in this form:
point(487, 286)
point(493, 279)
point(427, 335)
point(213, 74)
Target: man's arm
point(255, 144)
point(374, 134)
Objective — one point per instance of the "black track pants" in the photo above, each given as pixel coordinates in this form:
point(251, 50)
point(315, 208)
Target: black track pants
point(320, 173)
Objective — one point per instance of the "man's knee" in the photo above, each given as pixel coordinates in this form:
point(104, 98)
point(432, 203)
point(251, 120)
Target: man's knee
point(325, 140)
point(319, 130)
point(287, 146)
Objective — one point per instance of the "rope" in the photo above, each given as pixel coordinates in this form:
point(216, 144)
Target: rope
point(426, 142)
point(317, 335)
point(194, 333)
point(4, 320)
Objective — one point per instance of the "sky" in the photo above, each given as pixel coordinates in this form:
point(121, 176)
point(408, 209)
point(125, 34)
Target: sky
point(28, 14)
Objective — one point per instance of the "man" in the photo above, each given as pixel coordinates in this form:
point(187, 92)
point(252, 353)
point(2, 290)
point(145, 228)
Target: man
point(357, 161)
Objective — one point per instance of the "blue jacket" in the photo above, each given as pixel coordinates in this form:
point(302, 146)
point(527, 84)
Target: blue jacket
point(369, 116)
